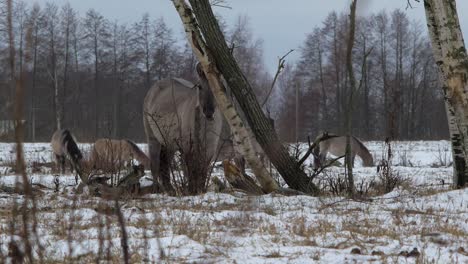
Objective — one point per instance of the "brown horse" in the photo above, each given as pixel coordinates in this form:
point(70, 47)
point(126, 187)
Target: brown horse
point(180, 116)
point(336, 145)
point(113, 153)
point(65, 148)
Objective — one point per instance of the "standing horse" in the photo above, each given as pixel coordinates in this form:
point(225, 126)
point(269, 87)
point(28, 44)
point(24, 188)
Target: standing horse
point(180, 116)
point(114, 153)
point(336, 145)
point(64, 147)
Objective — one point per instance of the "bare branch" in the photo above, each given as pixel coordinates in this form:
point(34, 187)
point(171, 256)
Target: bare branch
point(319, 170)
point(409, 5)
point(317, 141)
point(220, 3)
point(280, 68)
point(363, 67)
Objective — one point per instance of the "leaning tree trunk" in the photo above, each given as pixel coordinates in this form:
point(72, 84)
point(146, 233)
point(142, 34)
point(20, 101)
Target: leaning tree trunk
point(450, 55)
point(220, 57)
point(241, 134)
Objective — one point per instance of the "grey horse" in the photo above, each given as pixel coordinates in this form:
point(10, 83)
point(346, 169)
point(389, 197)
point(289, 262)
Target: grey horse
point(336, 145)
point(180, 116)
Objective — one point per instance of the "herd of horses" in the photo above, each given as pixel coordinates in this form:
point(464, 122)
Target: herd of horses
point(180, 116)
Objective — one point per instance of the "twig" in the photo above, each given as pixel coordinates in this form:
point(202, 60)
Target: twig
point(364, 66)
point(280, 68)
point(317, 141)
point(318, 171)
point(409, 5)
point(220, 3)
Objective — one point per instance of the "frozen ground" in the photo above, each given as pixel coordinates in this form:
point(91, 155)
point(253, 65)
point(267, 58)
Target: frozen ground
point(236, 228)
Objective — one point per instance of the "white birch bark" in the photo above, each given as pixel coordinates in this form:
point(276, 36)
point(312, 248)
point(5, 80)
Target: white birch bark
point(241, 134)
point(450, 55)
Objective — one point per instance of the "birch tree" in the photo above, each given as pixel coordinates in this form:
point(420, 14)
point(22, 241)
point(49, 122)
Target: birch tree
point(217, 59)
point(450, 55)
point(210, 68)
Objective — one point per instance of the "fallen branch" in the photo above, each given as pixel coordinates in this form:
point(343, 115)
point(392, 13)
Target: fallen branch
point(128, 185)
point(239, 180)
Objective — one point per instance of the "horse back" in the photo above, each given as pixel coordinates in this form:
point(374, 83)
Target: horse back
point(111, 148)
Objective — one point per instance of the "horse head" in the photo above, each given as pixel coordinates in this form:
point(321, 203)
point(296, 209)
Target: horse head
point(206, 99)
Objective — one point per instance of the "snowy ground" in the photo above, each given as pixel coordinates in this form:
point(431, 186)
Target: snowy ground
point(236, 228)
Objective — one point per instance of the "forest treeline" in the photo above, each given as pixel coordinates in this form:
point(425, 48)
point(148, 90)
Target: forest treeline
point(90, 74)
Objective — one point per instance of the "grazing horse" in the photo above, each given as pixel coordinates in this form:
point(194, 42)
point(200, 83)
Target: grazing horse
point(114, 153)
point(180, 116)
point(336, 145)
point(64, 147)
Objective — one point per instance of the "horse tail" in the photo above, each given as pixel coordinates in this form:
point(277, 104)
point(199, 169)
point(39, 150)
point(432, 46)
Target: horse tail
point(364, 153)
point(140, 155)
point(70, 147)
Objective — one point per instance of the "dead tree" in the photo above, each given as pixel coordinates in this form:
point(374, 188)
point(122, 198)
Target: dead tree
point(352, 80)
point(450, 55)
point(216, 58)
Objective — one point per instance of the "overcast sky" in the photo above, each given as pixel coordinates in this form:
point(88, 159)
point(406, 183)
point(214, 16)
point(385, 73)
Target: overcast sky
point(282, 24)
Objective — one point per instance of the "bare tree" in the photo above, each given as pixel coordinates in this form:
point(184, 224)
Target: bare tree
point(352, 79)
point(51, 24)
point(144, 48)
point(33, 25)
point(97, 35)
point(68, 19)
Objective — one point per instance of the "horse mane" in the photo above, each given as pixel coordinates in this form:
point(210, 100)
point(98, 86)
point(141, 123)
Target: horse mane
point(141, 156)
point(71, 147)
point(364, 153)
point(184, 82)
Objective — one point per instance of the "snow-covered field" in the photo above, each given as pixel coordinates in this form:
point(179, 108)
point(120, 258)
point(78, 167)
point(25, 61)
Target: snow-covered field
point(424, 213)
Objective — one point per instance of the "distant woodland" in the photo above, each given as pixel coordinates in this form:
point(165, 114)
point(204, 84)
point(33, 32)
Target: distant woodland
point(90, 74)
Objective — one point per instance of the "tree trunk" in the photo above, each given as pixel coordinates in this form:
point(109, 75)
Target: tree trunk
point(450, 55)
point(65, 68)
point(324, 109)
point(349, 115)
point(95, 85)
point(33, 88)
point(240, 132)
point(243, 92)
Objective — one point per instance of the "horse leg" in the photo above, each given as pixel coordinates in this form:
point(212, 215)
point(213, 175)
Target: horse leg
point(57, 162)
point(154, 148)
point(62, 163)
point(72, 167)
point(164, 168)
point(322, 158)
